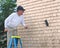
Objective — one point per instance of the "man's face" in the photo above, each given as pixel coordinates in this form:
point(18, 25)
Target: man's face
point(20, 12)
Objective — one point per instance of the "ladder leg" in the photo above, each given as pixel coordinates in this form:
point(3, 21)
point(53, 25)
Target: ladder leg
point(15, 43)
point(21, 43)
point(10, 43)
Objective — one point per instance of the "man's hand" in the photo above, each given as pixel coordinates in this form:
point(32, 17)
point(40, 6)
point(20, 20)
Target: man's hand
point(5, 30)
point(26, 27)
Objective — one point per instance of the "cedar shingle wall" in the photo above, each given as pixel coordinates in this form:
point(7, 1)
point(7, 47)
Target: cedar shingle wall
point(39, 35)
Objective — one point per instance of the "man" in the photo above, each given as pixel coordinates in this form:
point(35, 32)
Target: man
point(12, 21)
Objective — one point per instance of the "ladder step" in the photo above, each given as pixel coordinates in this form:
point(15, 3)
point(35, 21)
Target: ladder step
point(15, 36)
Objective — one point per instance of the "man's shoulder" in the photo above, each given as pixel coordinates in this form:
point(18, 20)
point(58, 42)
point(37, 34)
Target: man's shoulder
point(14, 13)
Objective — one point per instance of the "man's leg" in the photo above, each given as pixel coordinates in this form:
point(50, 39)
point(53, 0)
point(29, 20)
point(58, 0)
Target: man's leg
point(15, 34)
point(8, 38)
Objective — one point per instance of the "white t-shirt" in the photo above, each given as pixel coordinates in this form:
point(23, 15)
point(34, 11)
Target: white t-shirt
point(14, 20)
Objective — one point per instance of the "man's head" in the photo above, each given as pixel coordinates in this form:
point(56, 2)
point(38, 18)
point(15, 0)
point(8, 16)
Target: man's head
point(20, 10)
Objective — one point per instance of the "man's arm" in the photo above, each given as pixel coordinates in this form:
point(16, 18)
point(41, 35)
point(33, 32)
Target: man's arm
point(5, 24)
point(7, 21)
point(23, 23)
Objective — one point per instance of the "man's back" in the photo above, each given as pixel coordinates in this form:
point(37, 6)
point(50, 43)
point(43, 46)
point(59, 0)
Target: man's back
point(14, 20)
